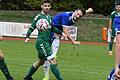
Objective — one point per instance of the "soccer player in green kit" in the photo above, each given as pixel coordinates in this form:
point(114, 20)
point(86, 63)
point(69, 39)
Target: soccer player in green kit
point(111, 29)
point(4, 67)
point(42, 22)
point(112, 33)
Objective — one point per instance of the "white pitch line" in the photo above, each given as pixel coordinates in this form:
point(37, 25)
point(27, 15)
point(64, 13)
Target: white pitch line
point(75, 70)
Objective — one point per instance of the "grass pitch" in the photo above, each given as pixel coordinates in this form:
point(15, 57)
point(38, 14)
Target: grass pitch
point(84, 62)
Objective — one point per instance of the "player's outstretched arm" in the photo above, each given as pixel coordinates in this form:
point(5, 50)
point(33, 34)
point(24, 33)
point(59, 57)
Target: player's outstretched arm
point(66, 31)
point(64, 35)
point(30, 30)
point(26, 40)
point(89, 10)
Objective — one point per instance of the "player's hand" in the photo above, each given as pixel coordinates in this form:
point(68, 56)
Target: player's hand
point(89, 10)
point(64, 35)
point(1, 38)
point(110, 30)
point(76, 42)
point(26, 40)
point(117, 72)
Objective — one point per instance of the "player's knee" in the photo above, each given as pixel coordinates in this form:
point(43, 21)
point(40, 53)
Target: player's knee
point(41, 62)
point(1, 55)
point(118, 43)
point(38, 63)
point(46, 63)
point(53, 61)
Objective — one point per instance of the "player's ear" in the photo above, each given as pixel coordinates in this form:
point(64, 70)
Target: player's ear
point(41, 6)
point(50, 5)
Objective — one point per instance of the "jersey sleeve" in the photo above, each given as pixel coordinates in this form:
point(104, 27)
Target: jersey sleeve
point(112, 15)
point(54, 29)
point(33, 26)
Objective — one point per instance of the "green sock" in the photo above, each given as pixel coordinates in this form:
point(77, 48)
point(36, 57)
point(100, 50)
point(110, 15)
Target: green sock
point(55, 71)
point(31, 71)
point(4, 69)
point(110, 46)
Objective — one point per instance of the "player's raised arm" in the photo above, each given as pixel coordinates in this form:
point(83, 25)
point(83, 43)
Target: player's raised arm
point(31, 28)
point(89, 10)
point(66, 31)
point(59, 32)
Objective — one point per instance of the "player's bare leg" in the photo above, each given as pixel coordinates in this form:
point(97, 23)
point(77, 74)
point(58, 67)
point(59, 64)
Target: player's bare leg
point(33, 69)
point(4, 67)
point(117, 56)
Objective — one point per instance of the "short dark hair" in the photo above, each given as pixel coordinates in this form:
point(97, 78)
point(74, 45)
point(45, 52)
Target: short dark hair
point(45, 1)
point(82, 10)
point(117, 2)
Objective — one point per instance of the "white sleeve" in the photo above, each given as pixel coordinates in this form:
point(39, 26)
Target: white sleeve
point(65, 26)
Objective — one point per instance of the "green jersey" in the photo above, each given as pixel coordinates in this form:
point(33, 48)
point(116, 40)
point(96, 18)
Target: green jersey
point(112, 16)
point(42, 23)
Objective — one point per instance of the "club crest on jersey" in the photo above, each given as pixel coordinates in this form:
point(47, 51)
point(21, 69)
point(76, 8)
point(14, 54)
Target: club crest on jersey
point(42, 24)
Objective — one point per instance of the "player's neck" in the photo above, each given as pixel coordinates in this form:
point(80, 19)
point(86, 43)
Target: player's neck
point(74, 18)
point(44, 13)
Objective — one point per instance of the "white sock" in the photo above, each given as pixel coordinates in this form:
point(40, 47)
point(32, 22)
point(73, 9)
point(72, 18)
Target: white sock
point(55, 46)
point(46, 67)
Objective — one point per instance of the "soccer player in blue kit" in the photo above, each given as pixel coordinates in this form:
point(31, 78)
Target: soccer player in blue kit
point(63, 22)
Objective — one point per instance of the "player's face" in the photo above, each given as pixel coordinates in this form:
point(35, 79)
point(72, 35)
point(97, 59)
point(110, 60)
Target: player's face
point(78, 14)
point(46, 7)
point(118, 8)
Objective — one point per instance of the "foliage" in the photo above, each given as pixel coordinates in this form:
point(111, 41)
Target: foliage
point(100, 6)
point(67, 7)
point(104, 6)
point(32, 4)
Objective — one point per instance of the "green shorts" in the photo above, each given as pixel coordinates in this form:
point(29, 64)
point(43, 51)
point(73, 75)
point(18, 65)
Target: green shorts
point(43, 48)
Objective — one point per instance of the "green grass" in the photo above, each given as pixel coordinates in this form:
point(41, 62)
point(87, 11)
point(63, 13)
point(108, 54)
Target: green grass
point(84, 62)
